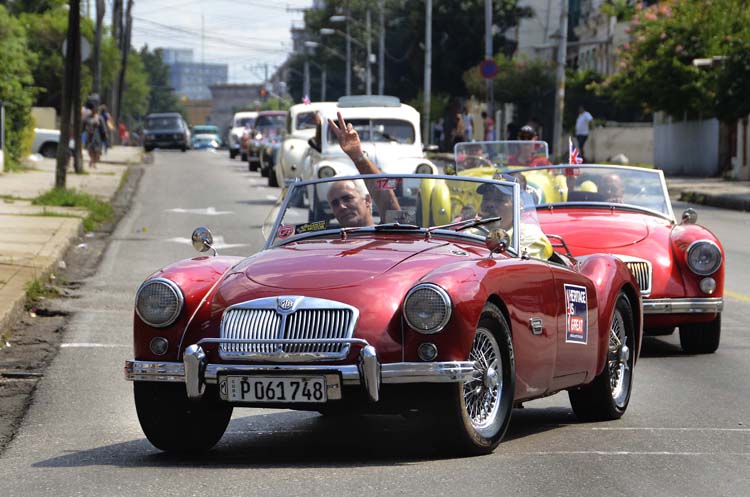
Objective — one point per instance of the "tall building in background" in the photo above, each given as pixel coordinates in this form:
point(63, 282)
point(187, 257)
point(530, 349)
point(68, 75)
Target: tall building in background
point(192, 79)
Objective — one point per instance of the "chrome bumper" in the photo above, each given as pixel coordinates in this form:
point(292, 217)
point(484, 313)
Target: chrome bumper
point(196, 372)
point(682, 306)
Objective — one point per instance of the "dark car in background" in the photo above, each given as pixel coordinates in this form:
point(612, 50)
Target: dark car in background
point(269, 127)
point(165, 130)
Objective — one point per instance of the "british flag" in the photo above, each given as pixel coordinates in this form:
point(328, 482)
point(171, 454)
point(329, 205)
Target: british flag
point(306, 100)
point(574, 156)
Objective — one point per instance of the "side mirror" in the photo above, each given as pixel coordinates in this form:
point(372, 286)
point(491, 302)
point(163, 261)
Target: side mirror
point(203, 240)
point(314, 144)
point(430, 148)
point(497, 241)
point(689, 216)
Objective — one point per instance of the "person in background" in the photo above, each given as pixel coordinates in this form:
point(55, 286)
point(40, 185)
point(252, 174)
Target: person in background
point(438, 133)
point(122, 132)
point(468, 125)
point(527, 154)
point(94, 126)
point(489, 127)
point(582, 128)
point(459, 131)
point(109, 126)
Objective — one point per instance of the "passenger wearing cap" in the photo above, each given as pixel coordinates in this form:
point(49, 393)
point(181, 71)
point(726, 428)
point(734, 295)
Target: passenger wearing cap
point(497, 201)
point(527, 153)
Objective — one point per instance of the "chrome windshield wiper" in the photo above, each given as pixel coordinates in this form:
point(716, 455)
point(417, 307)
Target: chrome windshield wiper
point(396, 226)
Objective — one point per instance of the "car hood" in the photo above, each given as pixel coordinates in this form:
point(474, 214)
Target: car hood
point(600, 229)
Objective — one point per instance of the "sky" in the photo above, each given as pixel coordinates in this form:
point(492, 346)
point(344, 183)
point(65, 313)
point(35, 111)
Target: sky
point(248, 35)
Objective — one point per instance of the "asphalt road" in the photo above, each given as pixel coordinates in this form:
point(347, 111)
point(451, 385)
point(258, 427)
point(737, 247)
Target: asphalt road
point(686, 432)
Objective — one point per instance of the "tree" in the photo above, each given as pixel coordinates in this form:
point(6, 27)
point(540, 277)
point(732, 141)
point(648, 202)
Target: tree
point(162, 97)
point(15, 85)
point(656, 69)
point(137, 91)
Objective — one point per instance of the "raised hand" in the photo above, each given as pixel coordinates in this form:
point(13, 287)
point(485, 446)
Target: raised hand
point(347, 136)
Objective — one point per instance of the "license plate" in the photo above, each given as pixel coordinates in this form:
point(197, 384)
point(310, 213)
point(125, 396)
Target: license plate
point(280, 389)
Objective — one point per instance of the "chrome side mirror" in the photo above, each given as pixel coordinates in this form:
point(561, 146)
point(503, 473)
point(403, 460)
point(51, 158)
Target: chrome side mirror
point(203, 239)
point(497, 241)
point(689, 216)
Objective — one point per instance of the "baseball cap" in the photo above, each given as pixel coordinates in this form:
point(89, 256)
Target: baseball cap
point(488, 187)
point(526, 130)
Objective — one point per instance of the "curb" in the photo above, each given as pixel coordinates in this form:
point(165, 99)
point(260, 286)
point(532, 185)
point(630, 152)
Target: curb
point(724, 201)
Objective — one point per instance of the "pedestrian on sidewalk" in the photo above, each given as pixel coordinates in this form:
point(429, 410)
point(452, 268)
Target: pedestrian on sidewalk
point(582, 128)
point(489, 127)
point(95, 136)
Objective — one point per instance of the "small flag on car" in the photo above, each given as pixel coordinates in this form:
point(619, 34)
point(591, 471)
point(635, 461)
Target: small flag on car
point(573, 158)
point(306, 100)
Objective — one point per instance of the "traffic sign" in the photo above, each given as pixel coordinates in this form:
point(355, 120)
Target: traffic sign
point(488, 69)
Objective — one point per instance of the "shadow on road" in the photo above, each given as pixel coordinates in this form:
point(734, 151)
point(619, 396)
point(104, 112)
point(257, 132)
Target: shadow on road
point(294, 439)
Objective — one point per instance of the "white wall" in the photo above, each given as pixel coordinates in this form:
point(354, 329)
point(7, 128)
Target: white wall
point(687, 148)
point(635, 140)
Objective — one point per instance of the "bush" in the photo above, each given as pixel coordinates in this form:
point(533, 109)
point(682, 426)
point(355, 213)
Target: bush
point(16, 84)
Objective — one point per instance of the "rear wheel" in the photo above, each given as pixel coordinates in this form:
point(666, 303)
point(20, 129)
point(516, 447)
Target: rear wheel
point(49, 150)
point(608, 395)
point(478, 411)
point(232, 154)
point(173, 423)
point(272, 179)
point(701, 338)
point(243, 157)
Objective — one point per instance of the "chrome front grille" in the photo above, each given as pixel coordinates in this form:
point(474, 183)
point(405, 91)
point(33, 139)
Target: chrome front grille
point(641, 269)
point(294, 322)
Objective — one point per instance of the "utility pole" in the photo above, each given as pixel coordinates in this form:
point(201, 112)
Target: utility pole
point(488, 56)
point(427, 70)
point(562, 52)
point(77, 129)
point(100, 7)
point(348, 55)
point(368, 74)
point(74, 37)
point(381, 49)
point(323, 84)
point(125, 47)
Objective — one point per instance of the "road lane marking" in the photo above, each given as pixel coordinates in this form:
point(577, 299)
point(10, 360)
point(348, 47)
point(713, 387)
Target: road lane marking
point(83, 345)
point(666, 429)
point(208, 211)
point(630, 453)
point(737, 296)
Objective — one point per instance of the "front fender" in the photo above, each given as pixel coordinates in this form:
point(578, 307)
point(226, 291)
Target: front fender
point(196, 278)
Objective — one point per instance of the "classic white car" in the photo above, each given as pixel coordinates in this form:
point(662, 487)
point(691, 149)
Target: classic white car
point(389, 132)
point(300, 127)
point(242, 123)
point(45, 142)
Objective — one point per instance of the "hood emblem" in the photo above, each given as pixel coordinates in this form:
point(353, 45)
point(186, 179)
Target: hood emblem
point(284, 303)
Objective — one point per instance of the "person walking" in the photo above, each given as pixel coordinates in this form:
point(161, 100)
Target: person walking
point(582, 128)
point(95, 133)
point(468, 125)
point(489, 127)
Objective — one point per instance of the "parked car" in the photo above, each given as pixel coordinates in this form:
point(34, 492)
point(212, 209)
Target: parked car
point(269, 158)
point(300, 127)
point(626, 211)
point(45, 142)
point(386, 316)
point(165, 130)
point(268, 128)
point(206, 137)
point(389, 132)
point(242, 124)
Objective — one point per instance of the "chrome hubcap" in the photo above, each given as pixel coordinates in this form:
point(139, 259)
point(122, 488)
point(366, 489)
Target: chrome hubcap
point(618, 358)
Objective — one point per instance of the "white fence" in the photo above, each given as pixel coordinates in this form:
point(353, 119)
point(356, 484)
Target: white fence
point(689, 148)
point(634, 140)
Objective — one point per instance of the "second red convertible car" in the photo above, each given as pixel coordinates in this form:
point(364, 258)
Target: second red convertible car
point(356, 306)
point(626, 211)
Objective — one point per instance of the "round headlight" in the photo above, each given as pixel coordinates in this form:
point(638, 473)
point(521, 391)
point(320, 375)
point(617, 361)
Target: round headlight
point(424, 169)
point(326, 172)
point(427, 308)
point(159, 302)
point(703, 257)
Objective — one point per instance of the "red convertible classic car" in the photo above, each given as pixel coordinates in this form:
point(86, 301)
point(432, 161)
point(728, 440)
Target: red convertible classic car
point(626, 211)
point(356, 306)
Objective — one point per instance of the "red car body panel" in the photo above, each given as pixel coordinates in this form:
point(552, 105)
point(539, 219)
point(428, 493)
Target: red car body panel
point(588, 230)
point(375, 273)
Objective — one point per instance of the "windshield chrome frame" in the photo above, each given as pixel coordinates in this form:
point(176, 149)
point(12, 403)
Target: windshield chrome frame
point(513, 249)
point(624, 206)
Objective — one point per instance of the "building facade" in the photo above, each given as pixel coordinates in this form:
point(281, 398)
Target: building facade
point(192, 79)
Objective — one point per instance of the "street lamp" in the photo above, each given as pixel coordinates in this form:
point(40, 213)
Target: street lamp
point(341, 18)
point(306, 90)
point(349, 41)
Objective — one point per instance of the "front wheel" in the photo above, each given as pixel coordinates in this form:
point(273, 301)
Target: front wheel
point(478, 411)
point(173, 423)
point(701, 338)
point(607, 397)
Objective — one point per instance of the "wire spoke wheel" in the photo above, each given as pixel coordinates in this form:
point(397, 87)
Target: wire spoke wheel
point(482, 392)
point(617, 359)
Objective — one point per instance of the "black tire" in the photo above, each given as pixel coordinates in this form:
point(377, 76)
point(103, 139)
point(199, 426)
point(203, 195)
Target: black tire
point(183, 149)
point(607, 397)
point(465, 425)
point(173, 423)
point(232, 154)
point(243, 157)
point(147, 149)
point(49, 150)
point(701, 338)
point(273, 181)
point(264, 172)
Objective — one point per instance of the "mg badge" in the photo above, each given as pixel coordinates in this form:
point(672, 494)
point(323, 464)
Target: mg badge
point(285, 304)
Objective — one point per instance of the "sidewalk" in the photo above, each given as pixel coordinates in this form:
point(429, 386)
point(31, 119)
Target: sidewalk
point(714, 192)
point(35, 238)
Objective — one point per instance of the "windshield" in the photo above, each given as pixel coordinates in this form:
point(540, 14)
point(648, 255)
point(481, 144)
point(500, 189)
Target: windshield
point(273, 121)
point(406, 203)
point(500, 154)
point(380, 130)
point(633, 187)
point(206, 130)
point(162, 123)
point(244, 122)
point(305, 120)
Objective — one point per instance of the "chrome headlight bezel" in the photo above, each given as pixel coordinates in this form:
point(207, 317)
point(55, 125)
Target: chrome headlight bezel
point(174, 291)
point(326, 172)
point(715, 254)
point(424, 169)
point(427, 326)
